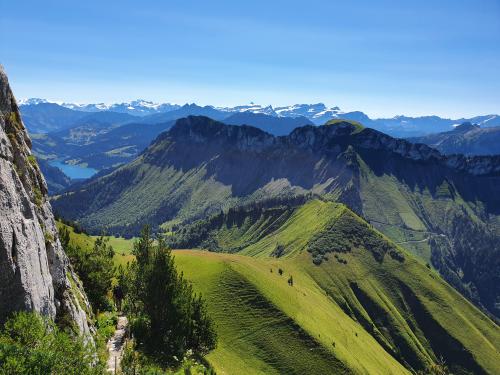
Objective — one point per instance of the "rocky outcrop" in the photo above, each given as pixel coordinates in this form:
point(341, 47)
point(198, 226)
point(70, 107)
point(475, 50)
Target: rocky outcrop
point(35, 273)
point(318, 138)
point(200, 129)
point(314, 139)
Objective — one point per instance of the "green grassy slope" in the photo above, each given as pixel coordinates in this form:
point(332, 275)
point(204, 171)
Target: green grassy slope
point(383, 313)
point(265, 326)
point(438, 224)
point(357, 126)
point(121, 246)
point(145, 191)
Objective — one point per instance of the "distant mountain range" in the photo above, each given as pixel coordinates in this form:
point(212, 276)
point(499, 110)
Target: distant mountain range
point(137, 107)
point(467, 139)
point(41, 115)
point(105, 136)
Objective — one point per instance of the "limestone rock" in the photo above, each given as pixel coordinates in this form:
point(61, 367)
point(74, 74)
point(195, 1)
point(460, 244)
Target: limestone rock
point(35, 273)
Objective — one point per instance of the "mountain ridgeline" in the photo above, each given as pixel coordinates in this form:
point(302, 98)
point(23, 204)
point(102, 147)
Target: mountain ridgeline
point(444, 209)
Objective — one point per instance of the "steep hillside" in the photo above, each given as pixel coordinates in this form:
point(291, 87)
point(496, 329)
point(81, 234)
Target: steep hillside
point(465, 139)
point(366, 307)
point(35, 274)
point(412, 193)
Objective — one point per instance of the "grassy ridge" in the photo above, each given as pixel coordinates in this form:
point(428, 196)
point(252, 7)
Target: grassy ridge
point(440, 220)
point(266, 326)
point(381, 313)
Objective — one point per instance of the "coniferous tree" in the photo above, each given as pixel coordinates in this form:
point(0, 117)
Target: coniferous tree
point(167, 317)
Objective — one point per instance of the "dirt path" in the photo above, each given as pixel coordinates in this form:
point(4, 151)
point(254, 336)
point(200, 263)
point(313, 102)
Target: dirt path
point(115, 345)
point(413, 241)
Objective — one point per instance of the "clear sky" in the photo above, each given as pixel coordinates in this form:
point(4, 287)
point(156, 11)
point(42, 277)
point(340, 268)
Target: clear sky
point(381, 57)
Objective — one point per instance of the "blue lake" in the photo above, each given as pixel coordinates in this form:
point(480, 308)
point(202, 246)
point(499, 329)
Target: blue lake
point(73, 171)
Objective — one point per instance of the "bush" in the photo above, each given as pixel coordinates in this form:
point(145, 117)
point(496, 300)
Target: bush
point(278, 251)
point(106, 324)
point(32, 344)
point(136, 363)
point(94, 266)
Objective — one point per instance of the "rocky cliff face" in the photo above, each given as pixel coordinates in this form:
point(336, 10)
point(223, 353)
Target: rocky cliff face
point(35, 274)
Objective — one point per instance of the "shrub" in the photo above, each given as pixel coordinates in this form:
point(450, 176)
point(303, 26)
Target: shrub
point(94, 265)
point(32, 344)
point(32, 161)
point(134, 363)
point(38, 196)
point(278, 251)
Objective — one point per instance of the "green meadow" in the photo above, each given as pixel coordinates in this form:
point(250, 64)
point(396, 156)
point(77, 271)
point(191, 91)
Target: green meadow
point(355, 312)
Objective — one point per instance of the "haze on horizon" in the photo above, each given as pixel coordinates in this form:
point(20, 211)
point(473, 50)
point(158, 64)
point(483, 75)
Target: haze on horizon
point(383, 59)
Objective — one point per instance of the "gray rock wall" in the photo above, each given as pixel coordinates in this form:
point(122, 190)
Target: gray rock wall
point(35, 273)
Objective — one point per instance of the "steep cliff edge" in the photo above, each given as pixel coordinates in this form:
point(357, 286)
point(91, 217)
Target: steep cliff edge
point(35, 273)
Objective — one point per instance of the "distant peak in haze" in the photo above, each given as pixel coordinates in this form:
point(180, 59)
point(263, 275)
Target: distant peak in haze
point(466, 126)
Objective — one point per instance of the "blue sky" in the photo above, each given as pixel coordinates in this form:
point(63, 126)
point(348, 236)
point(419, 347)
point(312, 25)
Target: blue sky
point(382, 57)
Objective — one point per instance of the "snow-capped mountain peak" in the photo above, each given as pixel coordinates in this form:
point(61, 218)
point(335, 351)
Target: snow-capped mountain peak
point(254, 108)
point(138, 107)
point(318, 113)
point(87, 107)
point(32, 101)
point(141, 103)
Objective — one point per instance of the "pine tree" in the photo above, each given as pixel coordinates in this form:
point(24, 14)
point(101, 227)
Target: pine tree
point(167, 317)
